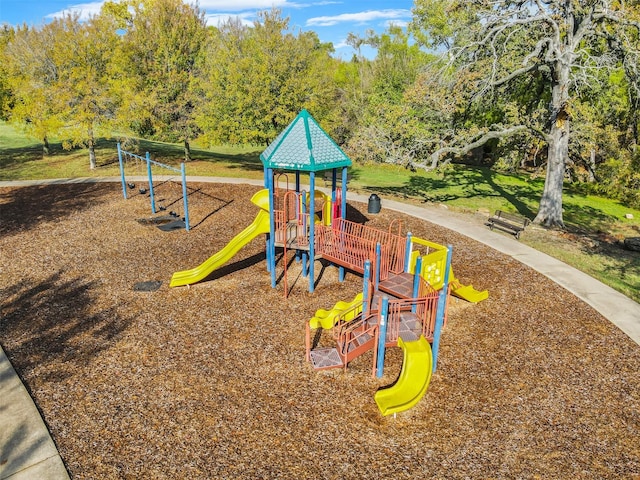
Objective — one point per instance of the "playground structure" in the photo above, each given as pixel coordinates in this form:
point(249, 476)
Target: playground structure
point(406, 280)
point(147, 165)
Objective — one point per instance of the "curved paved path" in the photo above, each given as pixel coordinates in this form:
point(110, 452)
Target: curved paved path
point(27, 450)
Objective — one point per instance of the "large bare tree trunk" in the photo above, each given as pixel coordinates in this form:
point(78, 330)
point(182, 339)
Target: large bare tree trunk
point(550, 212)
point(46, 149)
point(187, 150)
point(92, 151)
point(591, 166)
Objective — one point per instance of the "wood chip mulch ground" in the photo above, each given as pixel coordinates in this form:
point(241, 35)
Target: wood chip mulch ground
point(211, 381)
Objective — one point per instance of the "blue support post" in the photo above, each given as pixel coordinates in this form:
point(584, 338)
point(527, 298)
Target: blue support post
point(382, 336)
point(299, 215)
point(271, 245)
point(366, 286)
point(343, 208)
point(150, 177)
point(416, 282)
point(341, 273)
point(185, 197)
point(377, 265)
point(267, 252)
point(343, 205)
point(416, 277)
point(334, 183)
point(305, 264)
point(305, 256)
point(334, 193)
point(442, 302)
point(124, 182)
point(312, 181)
point(407, 255)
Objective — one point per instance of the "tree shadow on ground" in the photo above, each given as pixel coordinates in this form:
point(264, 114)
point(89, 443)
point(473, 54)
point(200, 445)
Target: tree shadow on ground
point(173, 154)
point(626, 267)
point(25, 207)
point(168, 195)
point(106, 154)
point(483, 183)
point(19, 448)
point(14, 159)
point(466, 183)
point(608, 258)
point(53, 327)
point(28, 153)
point(11, 156)
point(586, 219)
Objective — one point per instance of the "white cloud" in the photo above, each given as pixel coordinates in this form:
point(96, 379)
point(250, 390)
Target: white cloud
point(341, 44)
point(217, 19)
point(85, 10)
point(238, 5)
point(360, 17)
point(396, 23)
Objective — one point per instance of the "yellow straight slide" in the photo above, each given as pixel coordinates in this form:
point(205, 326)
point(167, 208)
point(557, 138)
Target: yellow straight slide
point(413, 381)
point(326, 318)
point(467, 292)
point(186, 277)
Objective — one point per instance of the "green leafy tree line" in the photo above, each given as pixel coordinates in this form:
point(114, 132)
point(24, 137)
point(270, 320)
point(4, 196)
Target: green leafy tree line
point(551, 86)
point(153, 68)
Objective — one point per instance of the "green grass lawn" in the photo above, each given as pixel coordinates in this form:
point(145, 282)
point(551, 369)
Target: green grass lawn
point(601, 221)
point(21, 158)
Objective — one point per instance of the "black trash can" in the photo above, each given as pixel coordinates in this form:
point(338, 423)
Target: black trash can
point(374, 204)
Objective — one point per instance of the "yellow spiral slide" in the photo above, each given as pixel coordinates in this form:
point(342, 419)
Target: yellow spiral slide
point(413, 381)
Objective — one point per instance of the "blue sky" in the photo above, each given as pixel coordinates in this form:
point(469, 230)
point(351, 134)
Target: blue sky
point(332, 20)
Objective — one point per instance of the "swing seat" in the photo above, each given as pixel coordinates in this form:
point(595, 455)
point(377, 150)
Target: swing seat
point(171, 226)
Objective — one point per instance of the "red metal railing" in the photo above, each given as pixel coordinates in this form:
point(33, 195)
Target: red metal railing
point(352, 244)
point(291, 223)
point(354, 336)
point(424, 307)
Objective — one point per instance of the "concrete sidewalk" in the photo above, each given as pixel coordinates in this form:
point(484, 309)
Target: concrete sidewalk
point(28, 452)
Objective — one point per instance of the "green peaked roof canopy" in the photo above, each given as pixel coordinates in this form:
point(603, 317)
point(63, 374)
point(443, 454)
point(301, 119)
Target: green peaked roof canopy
point(305, 146)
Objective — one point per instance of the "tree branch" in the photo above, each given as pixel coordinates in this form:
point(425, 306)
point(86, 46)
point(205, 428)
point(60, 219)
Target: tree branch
point(434, 158)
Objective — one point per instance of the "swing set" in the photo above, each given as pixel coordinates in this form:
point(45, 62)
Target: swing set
point(125, 157)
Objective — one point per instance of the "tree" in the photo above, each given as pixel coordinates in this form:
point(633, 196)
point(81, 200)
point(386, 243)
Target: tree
point(6, 34)
point(387, 126)
point(59, 78)
point(563, 43)
point(257, 79)
point(32, 77)
point(163, 40)
point(84, 87)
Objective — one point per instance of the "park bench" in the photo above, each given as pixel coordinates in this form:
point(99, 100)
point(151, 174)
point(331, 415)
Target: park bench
point(509, 222)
